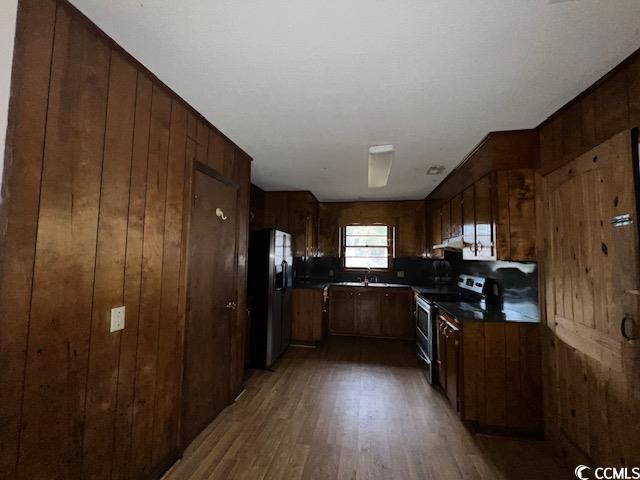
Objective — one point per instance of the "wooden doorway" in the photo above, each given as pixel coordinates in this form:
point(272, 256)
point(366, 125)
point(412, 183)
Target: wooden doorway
point(211, 301)
point(592, 286)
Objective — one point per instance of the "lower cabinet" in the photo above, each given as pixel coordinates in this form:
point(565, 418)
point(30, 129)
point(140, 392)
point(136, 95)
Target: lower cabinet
point(396, 314)
point(449, 359)
point(491, 373)
point(307, 315)
point(342, 310)
point(367, 309)
point(371, 311)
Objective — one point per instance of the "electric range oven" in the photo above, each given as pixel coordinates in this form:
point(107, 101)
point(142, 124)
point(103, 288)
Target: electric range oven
point(425, 337)
point(469, 289)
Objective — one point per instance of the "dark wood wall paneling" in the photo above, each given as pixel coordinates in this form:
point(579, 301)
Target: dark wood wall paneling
point(608, 107)
point(287, 211)
point(95, 215)
point(408, 217)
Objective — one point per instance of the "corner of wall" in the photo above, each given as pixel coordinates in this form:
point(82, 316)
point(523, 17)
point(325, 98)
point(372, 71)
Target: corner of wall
point(8, 13)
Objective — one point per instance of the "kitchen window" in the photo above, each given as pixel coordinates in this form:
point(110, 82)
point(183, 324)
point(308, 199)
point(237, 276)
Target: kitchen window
point(367, 246)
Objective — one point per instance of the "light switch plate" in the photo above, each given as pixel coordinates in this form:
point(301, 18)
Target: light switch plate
point(117, 318)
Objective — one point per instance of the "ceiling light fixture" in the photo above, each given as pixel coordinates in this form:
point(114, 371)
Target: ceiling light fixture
point(380, 160)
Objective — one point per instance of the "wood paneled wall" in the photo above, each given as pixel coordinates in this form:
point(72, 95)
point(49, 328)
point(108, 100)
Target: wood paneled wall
point(95, 205)
point(408, 217)
point(606, 108)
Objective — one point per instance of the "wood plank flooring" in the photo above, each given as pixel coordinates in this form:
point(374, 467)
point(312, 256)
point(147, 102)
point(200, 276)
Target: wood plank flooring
point(353, 408)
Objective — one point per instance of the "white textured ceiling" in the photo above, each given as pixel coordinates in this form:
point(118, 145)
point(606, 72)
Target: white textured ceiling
point(306, 86)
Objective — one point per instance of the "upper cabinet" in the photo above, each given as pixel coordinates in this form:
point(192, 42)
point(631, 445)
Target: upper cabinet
point(294, 212)
point(486, 207)
point(303, 221)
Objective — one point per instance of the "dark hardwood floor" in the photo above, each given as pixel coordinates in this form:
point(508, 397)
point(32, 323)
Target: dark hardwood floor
point(353, 408)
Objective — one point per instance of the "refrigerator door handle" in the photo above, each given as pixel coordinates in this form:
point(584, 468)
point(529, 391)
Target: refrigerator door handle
point(285, 275)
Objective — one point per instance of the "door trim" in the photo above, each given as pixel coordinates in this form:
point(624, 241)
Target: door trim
point(207, 170)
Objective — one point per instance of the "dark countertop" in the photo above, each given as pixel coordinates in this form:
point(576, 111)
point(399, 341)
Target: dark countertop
point(472, 311)
point(349, 284)
point(435, 290)
point(311, 285)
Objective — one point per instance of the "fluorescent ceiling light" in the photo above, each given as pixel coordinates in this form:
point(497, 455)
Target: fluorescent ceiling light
point(380, 160)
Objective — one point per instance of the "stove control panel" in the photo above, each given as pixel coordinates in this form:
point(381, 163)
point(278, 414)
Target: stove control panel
point(474, 284)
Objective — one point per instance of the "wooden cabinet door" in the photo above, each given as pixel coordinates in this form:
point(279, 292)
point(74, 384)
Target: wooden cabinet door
point(396, 314)
point(591, 287)
point(485, 229)
point(276, 208)
point(442, 355)
point(306, 318)
point(211, 289)
point(446, 220)
point(469, 223)
point(303, 213)
point(368, 312)
point(342, 310)
point(456, 216)
point(435, 238)
point(515, 215)
point(452, 367)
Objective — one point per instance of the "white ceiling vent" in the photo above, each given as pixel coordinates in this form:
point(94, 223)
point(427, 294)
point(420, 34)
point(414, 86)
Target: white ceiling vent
point(435, 170)
point(380, 160)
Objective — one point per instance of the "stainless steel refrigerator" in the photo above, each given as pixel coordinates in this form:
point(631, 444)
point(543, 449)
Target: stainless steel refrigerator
point(270, 280)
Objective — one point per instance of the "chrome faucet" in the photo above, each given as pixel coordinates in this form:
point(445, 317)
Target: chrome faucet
point(369, 278)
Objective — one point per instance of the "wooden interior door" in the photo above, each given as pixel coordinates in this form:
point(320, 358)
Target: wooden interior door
point(592, 288)
point(211, 302)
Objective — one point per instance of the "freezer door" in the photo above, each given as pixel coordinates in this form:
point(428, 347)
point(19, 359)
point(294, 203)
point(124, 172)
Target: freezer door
point(287, 293)
point(277, 289)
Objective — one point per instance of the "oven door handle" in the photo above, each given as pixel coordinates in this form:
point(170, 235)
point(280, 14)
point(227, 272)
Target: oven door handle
point(422, 334)
point(420, 303)
point(422, 355)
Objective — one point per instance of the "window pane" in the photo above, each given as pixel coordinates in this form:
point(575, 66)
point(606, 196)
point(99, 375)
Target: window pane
point(365, 252)
point(366, 241)
point(380, 230)
point(371, 262)
point(366, 246)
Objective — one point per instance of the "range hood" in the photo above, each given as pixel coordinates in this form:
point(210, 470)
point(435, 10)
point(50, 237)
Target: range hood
point(456, 244)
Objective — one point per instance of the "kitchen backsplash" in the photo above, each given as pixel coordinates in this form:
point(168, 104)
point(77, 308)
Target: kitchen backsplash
point(410, 271)
point(519, 281)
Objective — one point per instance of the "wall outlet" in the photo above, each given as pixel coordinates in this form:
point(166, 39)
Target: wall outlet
point(331, 273)
point(400, 273)
point(117, 318)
